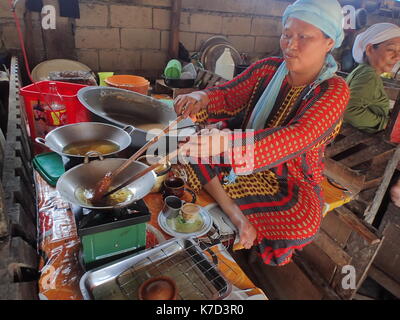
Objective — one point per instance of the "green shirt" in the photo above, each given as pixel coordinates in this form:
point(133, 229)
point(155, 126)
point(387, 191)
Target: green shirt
point(368, 108)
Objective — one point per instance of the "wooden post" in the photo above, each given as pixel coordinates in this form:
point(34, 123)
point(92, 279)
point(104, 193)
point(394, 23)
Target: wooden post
point(173, 50)
point(29, 42)
point(372, 209)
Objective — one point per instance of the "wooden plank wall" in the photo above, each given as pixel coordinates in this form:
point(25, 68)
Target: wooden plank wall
point(364, 163)
point(385, 269)
point(18, 257)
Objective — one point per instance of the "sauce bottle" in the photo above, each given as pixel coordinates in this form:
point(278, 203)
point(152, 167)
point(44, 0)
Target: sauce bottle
point(56, 116)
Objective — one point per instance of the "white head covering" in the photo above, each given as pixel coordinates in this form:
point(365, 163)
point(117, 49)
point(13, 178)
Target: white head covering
point(376, 33)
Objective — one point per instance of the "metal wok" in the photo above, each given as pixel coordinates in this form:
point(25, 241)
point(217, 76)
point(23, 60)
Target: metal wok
point(123, 107)
point(85, 177)
point(57, 139)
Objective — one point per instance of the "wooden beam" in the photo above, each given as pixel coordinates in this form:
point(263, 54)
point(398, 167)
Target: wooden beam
point(357, 225)
point(373, 208)
point(173, 50)
point(384, 280)
point(388, 257)
point(4, 223)
point(332, 249)
point(354, 138)
point(375, 149)
point(60, 43)
point(345, 176)
point(362, 253)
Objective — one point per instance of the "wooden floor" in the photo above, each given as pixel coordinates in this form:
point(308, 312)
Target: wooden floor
point(291, 283)
point(278, 283)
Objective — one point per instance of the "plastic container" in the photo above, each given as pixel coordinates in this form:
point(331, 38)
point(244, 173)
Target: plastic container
point(225, 66)
point(173, 69)
point(127, 82)
point(103, 76)
point(34, 96)
point(50, 166)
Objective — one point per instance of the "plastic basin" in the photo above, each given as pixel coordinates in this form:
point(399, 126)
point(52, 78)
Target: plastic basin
point(127, 82)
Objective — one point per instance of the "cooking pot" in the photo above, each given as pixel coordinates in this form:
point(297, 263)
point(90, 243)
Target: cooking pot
point(86, 176)
point(161, 171)
point(57, 139)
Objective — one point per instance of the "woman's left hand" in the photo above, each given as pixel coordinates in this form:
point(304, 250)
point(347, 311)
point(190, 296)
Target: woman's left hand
point(207, 143)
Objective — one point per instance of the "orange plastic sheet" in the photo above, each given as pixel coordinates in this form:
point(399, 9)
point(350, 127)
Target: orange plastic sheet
point(59, 246)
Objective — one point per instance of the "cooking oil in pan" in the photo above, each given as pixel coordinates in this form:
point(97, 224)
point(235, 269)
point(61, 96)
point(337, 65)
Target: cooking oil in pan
point(82, 147)
point(85, 196)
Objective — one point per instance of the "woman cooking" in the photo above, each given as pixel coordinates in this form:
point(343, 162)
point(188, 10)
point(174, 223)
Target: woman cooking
point(376, 50)
point(291, 108)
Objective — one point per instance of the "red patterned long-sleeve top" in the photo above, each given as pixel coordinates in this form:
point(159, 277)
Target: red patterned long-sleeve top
point(298, 142)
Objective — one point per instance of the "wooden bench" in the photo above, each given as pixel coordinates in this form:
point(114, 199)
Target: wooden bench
point(364, 163)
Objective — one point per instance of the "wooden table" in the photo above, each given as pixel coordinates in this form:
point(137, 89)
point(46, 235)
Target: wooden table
point(59, 246)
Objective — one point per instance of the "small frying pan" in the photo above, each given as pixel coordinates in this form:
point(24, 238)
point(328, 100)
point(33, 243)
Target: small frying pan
point(86, 176)
point(179, 83)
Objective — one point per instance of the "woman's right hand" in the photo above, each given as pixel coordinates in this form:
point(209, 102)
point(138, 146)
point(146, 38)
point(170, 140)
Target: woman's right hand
point(190, 104)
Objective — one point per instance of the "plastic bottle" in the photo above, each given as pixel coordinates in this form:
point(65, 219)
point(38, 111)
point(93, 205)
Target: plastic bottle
point(56, 115)
point(225, 66)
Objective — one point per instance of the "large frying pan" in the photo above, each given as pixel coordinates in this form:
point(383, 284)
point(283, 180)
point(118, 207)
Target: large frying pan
point(123, 107)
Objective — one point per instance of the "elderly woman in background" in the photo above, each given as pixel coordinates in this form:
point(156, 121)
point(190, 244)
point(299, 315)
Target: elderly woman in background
point(292, 107)
point(377, 50)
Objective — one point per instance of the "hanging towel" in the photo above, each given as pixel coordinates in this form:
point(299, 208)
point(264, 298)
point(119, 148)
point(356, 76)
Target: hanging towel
point(34, 5)
point(69, 8)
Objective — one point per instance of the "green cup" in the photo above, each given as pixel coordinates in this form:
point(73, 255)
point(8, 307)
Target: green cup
point(103, 76)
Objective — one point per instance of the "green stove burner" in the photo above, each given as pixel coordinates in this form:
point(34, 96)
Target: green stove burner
point(109, 235)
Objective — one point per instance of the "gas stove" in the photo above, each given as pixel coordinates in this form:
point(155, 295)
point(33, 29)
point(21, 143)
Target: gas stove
point(107, 235)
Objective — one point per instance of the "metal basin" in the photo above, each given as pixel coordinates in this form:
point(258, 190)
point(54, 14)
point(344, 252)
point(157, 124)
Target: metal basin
point(87, 175)
point(57, 139)
point(123, 107)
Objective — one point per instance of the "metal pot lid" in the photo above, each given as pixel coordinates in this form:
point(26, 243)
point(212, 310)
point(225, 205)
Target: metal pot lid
point(212, 41)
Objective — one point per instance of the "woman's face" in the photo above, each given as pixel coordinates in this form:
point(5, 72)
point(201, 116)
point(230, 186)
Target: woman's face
point(385, 56)
point(304, 46)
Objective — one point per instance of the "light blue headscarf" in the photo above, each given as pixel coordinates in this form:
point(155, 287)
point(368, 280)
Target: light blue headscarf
point(323, 14)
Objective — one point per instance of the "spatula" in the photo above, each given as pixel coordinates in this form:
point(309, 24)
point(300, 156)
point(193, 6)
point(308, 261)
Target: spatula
point(104, 184)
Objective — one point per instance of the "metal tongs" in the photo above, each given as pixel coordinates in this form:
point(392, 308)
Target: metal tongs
point(138, 154)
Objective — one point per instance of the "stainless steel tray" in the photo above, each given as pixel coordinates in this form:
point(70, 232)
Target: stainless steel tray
point(196, 277)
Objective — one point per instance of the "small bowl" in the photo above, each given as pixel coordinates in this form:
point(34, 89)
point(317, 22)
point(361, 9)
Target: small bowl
point(158, 288)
